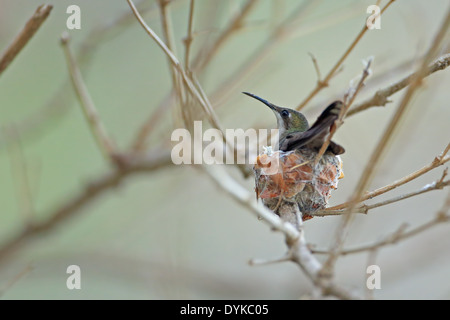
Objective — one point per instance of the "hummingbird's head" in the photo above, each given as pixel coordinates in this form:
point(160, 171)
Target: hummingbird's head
point(288, 120)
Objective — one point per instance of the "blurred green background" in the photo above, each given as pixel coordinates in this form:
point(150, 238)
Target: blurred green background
point(172, 234)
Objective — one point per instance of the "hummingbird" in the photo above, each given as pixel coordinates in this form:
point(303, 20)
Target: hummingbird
point(295, 132)
point(300, 181)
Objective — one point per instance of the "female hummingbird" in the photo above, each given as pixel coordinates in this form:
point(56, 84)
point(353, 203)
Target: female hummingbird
point(299, 180)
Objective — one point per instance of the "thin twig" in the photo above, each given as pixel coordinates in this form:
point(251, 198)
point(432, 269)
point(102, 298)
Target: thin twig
point(105, 144)
point(200, 62)
point(167, 29)
point(16, 279)
point(149, 125)
point(330, 74)
point(19, 170)
point(316, 67)
point(381, 97)
point(30, 28)
point(264, 262)
point(371, 261)
point(189, 37)
point(349, 98)
point(437, 185)
point(400, 234)
point(437, 161)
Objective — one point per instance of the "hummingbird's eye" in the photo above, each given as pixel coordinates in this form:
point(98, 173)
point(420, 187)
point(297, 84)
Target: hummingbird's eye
point(285, 113)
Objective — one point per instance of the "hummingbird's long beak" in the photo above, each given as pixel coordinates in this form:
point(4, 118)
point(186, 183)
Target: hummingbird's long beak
point(267, 103)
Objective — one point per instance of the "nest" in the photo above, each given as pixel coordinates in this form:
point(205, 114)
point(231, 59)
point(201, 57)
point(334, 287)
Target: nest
point(283, 179)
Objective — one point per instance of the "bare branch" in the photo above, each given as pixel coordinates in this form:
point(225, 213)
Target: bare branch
point(401, 233)
point(189, 37)
point(436, 185)
point(105, 144)
point(30, 28)
point(19, 170)
point(349, 98)
point(167, 29)
point(324, 83)
point(380, 98)
point(16, 279)
point(139, 140)
point(200, 62)
point(264, 262)
point(437, 161)
point(316, 67)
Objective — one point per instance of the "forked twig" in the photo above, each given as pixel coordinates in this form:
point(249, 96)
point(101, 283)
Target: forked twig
point(104, 142)
point(324, 83)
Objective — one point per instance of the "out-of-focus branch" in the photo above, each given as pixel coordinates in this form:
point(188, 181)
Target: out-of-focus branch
point(316, 67)
point(189, 37)
point(16, 279)
point(324, 83)
point(200, 61)
point(381, 97)
point(19, 171)
point(30, 28)
point(154, 160)
point(167, 29)
point(105, 144)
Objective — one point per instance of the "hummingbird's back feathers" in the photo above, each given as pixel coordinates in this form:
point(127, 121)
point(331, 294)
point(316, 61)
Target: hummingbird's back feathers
point(315, 136)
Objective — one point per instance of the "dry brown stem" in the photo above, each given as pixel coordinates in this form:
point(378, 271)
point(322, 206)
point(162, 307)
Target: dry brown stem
point(30, 28)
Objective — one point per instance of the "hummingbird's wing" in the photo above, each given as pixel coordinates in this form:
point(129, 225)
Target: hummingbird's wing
point(315, 136)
